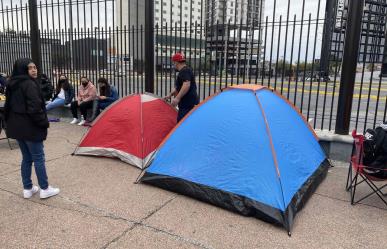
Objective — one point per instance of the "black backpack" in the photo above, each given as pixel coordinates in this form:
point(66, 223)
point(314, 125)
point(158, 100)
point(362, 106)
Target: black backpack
point(375, 147)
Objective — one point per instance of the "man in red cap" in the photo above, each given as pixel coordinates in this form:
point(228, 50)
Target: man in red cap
point(185, 94)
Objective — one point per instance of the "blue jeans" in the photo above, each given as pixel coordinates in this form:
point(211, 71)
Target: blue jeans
point(33, 152)
point(102, 104)
point(56, 103)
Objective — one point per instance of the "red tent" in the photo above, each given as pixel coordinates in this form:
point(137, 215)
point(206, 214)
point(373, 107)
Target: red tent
point(130, 129)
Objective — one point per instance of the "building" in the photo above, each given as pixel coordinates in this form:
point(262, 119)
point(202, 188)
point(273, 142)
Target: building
point(233, 35)
point(373, 34)
point(15, 45)
point(174, 30)
point(180, 12)
point(235, 11)
point(89, 53)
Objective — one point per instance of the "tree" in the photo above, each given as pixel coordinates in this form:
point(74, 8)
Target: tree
point(284, 68)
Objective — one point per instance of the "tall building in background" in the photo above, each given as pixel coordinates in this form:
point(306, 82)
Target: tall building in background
point(235, 11)
point(180, 26)
point(373, 34)
point(180, 12)
point(234, 34)
point(171, 18)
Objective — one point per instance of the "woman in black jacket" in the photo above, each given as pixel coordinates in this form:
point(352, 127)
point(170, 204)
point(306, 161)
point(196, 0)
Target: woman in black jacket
point(26, 119)
point(64, 94)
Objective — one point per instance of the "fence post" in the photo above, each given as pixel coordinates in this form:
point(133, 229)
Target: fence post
point(35, 41)
point(384, 62)
point(349, 64)
point(329, 26)
point(149, 46)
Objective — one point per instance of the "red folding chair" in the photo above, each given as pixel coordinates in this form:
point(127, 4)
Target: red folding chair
point(359, 173)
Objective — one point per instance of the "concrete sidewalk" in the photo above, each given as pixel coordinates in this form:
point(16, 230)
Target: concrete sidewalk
point(100, 207)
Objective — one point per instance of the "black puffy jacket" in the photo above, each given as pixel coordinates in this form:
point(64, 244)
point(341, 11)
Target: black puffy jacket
point(46, 87)
point(25, 111)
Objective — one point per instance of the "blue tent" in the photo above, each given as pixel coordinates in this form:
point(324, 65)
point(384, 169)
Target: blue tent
point(245, 149)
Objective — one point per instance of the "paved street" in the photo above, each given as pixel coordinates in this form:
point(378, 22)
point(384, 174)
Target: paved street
point(318, 102)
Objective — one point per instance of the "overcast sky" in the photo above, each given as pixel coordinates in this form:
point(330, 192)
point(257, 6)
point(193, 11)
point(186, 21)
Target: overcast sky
point(51, 20)
point(296, 6)
point(310, 6)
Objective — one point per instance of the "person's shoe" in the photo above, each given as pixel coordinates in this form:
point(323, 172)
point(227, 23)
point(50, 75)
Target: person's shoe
point(49, 192)
point(28, 193)
point(82, 122)
point(75, 120)
point(87, 123)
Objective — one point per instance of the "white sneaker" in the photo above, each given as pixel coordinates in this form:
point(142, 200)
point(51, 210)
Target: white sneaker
point(75, 120)
point(28, 193)
point(82, 122)
point(50, 191)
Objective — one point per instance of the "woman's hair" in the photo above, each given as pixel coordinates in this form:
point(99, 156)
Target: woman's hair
point(84, 77)
point(65, 84)
point(104, 91)
point(20, 68)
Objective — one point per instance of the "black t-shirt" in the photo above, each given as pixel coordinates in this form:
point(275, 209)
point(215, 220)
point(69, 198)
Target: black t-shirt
point(190, 99)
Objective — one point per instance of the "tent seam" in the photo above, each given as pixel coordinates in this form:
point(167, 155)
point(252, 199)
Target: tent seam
point(272, 146)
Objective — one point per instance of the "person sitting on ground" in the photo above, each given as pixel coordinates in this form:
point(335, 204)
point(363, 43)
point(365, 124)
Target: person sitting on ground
point(64, 94)
point(3, 81)
point(46, 87)
point(86, 96)
point(107, 95)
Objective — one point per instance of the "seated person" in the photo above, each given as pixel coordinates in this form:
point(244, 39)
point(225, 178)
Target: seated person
point(107, 95)
point(86, 95)
point(3, 81)
point(64, 94)
point(46, 87)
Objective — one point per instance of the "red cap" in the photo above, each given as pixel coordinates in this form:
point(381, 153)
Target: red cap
point(178, 57)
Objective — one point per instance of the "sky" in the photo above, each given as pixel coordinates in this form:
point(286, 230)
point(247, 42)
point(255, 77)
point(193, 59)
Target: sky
point(296, 7)
point(310, 6)
point(50, 20)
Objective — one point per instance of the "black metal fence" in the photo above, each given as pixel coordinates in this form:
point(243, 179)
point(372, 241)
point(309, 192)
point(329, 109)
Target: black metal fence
point(279, 44)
